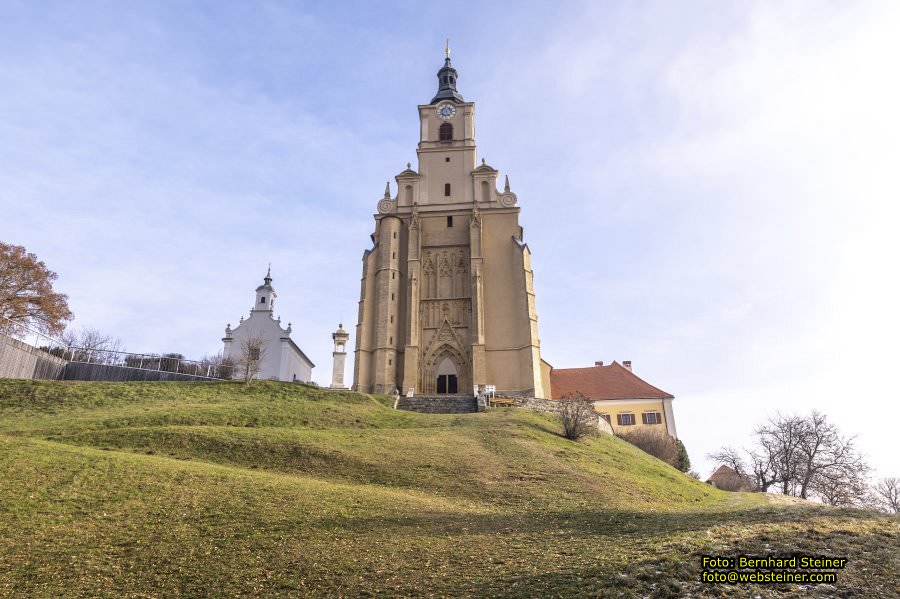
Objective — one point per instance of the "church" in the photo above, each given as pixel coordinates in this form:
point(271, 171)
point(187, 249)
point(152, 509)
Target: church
point(446, 303)
point(447, 299)
point(277, 356)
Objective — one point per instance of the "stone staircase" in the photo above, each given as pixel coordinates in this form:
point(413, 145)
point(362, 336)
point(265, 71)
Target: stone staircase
point(439, 404)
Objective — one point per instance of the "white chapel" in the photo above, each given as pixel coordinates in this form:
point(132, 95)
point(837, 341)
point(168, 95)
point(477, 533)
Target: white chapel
point(280, 359)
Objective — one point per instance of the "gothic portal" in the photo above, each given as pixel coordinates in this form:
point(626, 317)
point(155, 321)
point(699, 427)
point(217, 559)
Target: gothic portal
point(447, 298)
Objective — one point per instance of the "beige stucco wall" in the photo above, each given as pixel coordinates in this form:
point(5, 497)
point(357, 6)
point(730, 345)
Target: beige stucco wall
point(637, 407)
point(463, 291)
point(545, 378)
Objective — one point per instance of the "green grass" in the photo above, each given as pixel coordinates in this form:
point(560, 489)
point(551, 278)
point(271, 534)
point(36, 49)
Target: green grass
point(215, 489)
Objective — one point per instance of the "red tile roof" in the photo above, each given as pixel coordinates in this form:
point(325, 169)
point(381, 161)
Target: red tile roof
point(602, 382)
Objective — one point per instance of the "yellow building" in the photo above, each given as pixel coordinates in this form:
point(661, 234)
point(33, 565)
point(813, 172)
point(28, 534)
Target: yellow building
point(447, 301)
point(624, 399)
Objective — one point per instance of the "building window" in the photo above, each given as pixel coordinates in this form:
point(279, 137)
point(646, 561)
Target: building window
point(391, 342)
point(605, 417)
point(393, 254)
point(392, 297)
point(625, 419)
point(262, 300)
point(254, 353)
point(395, 235)
point(446, 190)
point(447, 159)
point(651, 418)
point(445, 133)
point(392, 319)
point(449, 221)
point(393, 276)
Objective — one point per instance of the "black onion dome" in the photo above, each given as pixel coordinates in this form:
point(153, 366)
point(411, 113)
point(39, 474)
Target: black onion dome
point(447, 84)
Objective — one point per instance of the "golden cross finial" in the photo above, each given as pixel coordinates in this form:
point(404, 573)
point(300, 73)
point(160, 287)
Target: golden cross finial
point(447, 48)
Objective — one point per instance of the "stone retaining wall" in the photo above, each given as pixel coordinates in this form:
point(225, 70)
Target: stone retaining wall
point(551, 406)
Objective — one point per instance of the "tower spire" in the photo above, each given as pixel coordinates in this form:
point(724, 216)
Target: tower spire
point(265, 294)
point(447, 80)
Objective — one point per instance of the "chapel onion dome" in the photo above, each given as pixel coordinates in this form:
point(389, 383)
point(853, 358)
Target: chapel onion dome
point(267, 282)
point(447, 83)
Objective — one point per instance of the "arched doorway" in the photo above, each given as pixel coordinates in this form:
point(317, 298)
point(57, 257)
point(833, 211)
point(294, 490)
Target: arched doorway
point(445, 361)
point(447, 381)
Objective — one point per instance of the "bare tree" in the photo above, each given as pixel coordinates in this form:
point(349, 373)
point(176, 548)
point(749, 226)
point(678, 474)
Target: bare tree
point(779, 439)
point(91, 345)
point(577, 415)
point(807, 456)
point(226, 368)
point(253, 350)
point(887, 494)
point(757, 465)
point(827, 455)
point(172, 362)
point(729, 457)
point(763, 464)
point(841, 486)
point(217, 366)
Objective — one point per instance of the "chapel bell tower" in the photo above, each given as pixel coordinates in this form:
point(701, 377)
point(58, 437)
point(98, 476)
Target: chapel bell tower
point(265, 294)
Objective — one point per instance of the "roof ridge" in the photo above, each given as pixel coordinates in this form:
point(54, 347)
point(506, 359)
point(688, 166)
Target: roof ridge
point(606, 382)
point(640, 379)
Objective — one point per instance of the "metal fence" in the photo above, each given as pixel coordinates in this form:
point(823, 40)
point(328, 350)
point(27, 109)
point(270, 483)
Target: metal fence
point(20, 345)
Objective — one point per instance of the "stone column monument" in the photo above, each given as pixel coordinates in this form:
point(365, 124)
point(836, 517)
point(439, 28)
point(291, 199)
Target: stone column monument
point(340, 338)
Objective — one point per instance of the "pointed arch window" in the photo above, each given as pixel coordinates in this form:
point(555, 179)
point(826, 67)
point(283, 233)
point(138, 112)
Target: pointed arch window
point(445, 133)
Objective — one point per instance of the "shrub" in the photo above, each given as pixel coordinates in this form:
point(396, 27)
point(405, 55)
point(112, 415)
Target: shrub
point(577, 415)
point(658, 444)
point(732, 481)
point(684, 462)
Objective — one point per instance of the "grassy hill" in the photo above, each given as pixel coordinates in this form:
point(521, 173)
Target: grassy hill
point(197, 489)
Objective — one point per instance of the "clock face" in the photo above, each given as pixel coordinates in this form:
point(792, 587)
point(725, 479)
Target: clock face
point(446, 111)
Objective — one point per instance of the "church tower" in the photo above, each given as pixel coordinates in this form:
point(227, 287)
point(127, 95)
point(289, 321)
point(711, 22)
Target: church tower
point(265, 294)
point(447, 299)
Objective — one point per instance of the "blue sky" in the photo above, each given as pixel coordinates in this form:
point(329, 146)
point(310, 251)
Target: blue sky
point(709, 189)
